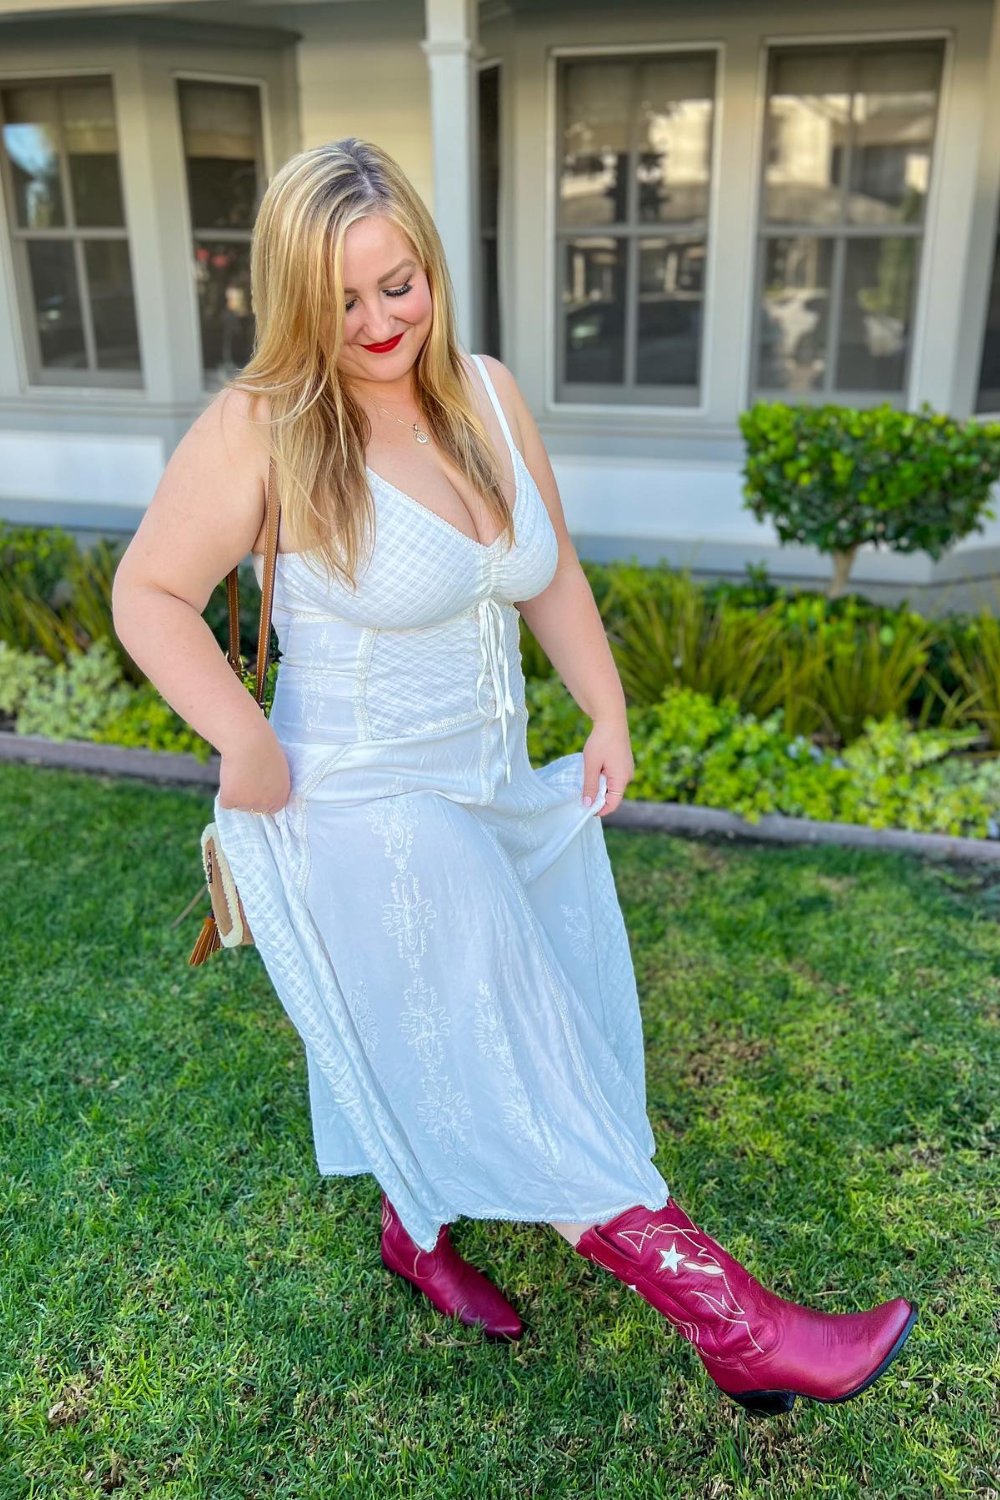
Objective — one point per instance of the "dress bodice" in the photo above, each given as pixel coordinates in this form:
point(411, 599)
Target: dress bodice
point(431, 605)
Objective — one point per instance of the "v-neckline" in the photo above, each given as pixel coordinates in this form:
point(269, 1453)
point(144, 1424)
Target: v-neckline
point(485, 547)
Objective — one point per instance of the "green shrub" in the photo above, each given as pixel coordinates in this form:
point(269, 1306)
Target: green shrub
point(826, 664)
point(690, 749)
point(148, 722)
point(55, 597)
point(70, 700)
point(836, 478)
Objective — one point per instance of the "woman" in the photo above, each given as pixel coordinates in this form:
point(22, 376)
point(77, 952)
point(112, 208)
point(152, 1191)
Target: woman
point(439, 919)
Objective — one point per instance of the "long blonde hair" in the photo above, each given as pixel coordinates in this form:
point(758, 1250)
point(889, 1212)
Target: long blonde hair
point(319, 432)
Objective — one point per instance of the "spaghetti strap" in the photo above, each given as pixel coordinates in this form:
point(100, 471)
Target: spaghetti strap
point(491, 392)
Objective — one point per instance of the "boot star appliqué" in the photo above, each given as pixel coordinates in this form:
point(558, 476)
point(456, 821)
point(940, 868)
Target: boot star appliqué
point(760, 1349)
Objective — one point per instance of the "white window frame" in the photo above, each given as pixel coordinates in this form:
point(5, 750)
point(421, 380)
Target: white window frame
point(600, 51)
point(37, 377)
point(904, 397)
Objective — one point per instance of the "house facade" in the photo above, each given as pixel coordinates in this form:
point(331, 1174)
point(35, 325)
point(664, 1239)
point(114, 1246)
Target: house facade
point(654, 213)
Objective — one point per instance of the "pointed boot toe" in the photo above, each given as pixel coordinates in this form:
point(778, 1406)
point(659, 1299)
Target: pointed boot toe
point(455, 1286)
point(760, 1349)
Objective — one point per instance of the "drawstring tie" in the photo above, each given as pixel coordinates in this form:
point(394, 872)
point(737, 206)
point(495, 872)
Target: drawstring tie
point(494, 653)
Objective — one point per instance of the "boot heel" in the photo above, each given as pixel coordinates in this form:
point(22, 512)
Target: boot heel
point(764, 1403)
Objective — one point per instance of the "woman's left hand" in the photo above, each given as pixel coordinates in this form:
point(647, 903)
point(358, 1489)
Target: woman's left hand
point(607, 748)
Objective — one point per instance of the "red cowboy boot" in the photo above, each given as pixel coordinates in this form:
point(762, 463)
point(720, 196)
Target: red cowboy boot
point(760, 1350)
point(451, 1283)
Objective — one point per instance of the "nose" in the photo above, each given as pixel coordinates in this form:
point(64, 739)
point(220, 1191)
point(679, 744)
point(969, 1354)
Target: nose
point(379, 327)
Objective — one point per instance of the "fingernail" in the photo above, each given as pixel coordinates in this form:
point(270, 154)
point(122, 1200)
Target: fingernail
point(587, 801)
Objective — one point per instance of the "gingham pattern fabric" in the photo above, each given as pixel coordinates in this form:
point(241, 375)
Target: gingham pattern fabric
point(438, 917)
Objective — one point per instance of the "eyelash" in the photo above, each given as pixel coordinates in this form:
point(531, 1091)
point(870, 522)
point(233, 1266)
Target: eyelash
point(399, 291)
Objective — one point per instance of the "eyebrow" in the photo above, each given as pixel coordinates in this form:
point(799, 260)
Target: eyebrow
point(388, 275)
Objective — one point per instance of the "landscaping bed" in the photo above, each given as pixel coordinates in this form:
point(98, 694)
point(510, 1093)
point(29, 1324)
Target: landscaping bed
point(741, 697)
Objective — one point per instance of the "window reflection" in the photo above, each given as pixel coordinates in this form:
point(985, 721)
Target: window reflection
point(636, 148)
point(671, 282)
point(595, 128)
point(988, 398)
point(221, 131)
point(673, 158)
point(846, 175)
point(594, 297)
point(795, 309)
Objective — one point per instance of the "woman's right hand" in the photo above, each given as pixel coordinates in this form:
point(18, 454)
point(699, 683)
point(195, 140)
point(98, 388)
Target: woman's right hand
point(255, 777)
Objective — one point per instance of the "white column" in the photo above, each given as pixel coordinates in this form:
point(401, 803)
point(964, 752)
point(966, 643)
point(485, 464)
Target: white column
point(450, 47)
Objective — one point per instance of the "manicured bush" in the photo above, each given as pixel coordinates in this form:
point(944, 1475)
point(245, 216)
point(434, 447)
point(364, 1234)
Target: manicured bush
point(836, 478)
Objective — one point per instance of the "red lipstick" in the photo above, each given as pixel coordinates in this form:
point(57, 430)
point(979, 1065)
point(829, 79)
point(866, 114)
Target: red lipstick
point(383, 348)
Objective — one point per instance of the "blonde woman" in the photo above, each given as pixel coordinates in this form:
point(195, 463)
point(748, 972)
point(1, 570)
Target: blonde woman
point(438, 918)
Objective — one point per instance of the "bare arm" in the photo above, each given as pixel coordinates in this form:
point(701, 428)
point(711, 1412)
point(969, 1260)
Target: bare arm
point(201, 522)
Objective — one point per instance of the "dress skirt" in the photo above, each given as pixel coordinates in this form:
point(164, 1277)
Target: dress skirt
point(459, 973)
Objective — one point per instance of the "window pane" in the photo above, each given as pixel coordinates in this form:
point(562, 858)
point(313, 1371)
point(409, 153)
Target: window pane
point(875, 319)
point(222, 273)
point(675, 138)
point(56, 298)
point(808, 116)
point(989, 374)
point(595, 138)
point(31, 141)
point(794, 314)
point(109, 280)
point(594, 302)
point(893, 124)
point(671, 285)
point(220, 124)
point(92, 152)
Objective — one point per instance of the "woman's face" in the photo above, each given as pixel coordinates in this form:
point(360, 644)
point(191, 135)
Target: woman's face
point(387, 302)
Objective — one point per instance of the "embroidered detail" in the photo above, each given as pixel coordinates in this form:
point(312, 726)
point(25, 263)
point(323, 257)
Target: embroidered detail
point(445, 1114)
point(444, 1111)
point(394, 818)
point(361, 1010)
point(408, 917)
point(359, 697)
point(579, 931)
point(725, 1304)
point(425, 1022)
point(494, 1042)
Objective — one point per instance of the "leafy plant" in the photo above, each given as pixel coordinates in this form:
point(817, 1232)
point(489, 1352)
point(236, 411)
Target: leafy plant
point(148, 722)
point(71, 700)
point(690, 749)
point(975, 660)
point(837, 478)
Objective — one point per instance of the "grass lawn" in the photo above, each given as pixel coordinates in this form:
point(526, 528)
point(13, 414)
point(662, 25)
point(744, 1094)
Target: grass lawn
point(188, 1309)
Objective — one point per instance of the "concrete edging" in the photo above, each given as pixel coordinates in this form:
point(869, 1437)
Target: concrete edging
point(167, 766)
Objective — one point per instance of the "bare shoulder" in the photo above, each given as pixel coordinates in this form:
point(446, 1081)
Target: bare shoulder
point(510, 397)
point(208, 506)
point(234, 418)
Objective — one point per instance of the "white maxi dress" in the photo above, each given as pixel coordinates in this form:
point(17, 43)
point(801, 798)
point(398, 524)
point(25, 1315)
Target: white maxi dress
point(437, 917)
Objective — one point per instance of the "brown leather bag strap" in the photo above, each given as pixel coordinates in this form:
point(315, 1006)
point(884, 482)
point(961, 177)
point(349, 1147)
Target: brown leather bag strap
point(272, 511)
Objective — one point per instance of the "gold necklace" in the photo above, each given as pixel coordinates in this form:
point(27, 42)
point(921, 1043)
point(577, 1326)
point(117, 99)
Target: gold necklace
point(418, 432)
